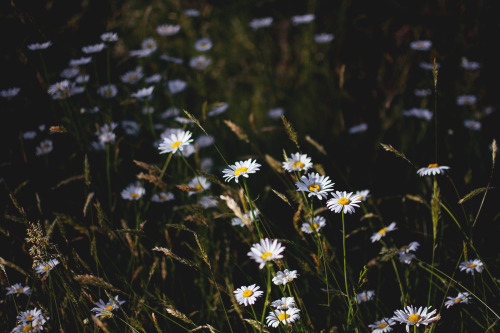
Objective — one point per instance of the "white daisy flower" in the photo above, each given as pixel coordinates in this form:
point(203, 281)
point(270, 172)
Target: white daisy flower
point(266, 250)
point(93, 48)
point(363, 194)
point(315, 184)
point(200, 62)
point(44, 148)
point(133, 192)
point(469, 65)
point(200, 184)
point(418, 113)
point(204, 141)
point(175, 142)
point(405, 252)
point(422, 92)
point(131, 127)
point(207, 201)
point(203, 44)
point(30, 321)
point(149, 44)
point(176, 86)
point(108, 91)
point(461, 298)
point(382, 232)
point(155, 78)
point(471, 266)
point(109, 37)
point(69, 72)
point(317, 223)
point(284, 277)
point(46, 267)
point(104, 309)
point(365, 296)
point(10, 93)
point(80, 62)
point(358, 128)
point(263, 22)
point(141, 53)
point(39, 46)
point(168, 29)
point(175, 60)
point(275, 113)
point(472, 124)
point(217, 109)
point(143, 93)
point(298, 162)
point(241, 168)
point(276, 317)
point(421, 45)
point(132, 77)
point(284, 303)
point(247, 295)
point(191, 12)
point(170, 112)
point(323, 38)
point(411, 316)
point(162, 197)
point(432, 169)
point(105, 133)
point(343, 202)
point(303, 19)
point(247, 219)
point(17, 289)
point(466, 100)
point(428, 66)
point(382, 326)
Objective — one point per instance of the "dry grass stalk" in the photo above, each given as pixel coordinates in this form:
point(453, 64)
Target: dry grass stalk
point(292, 135)
point(190, 116)
point(87, 202)
point(275, 164)
point(177, 314)
point(398, 153)
point(232, 205)
point(316, 145)
point(170, 254)
point(472, 194)
point(237, 130)
point(87, 279)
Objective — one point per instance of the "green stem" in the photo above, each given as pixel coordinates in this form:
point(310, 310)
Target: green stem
point(251, 208)
point(345, 269)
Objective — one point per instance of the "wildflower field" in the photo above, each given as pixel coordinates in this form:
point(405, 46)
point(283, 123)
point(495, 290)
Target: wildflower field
point(249, 166)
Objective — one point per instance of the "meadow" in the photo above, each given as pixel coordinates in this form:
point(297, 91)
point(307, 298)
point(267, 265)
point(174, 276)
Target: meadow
point(249, 166)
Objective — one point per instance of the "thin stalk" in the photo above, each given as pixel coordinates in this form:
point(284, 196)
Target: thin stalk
point(251, 208)
point(268, 291)
point(345, 269)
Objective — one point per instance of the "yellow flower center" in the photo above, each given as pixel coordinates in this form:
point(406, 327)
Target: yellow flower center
point(298, 164)
point(27, 328)
point(364, 297)
point(458, 300)
point(201, 63)
point(238, 171)
point(19, 290)
point(176, 144)
point(134, 195)
point(198, 187)
point(382, 325)
point(343, 201)
point(47, 268)
point(109, 308)
point(314, 226)
point(283, 316)
point(29, 317)
point(314, 188)
point(472, 266)
point(414, 318)
point(247, 293)
point(163, 196)
point(132, 77)
point(382, 231)
point(266, 255)
point(107, 92)
point(433, 166)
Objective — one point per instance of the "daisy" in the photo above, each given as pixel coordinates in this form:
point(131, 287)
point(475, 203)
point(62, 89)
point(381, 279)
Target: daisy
point(207, 201)
point(217, 109)
point(246, 220)
point(46, 267)
point(149, 44)
point(275, 113)
point(343, 202)
point(133, 192)
point(61, 87)
point(318, 223)
point(44, 148)
point(432, 169)
point(405, 252)
point(418, 113)
point(204, 141)
point(105, 133)
point(105, 309)
point(298, 162)
point(109, 37)
point(358, 128)
point(30, 315)
point(315, 184)
point(142, 53)
point(363, 194)
point(241, 168)
point(30, 321)
point(284, 277)
point(175, 142)
point(263, 22)
point(411, 316)
point(382, 232)
point(422, 92)
point(39, 46)
point(17, 289)
point(466, 100)
point(421, 45)
point(162, 197)
point(29, 135)
point(265, 251)
point(365, 296)
point(469, 65)
point(323, 38)
point(168, 29)
point(191, 12)
point(247, 295)
point(143, 93)
point(472, 124)
point(276, 317)
point(200, 62)
point(171, 59)
point(461, 298)
point(199, 183)
point(107, 91)
point(382, 326)
point(131, 127)
point(11, 92)
point(203, 44)
point(284, 303)
point(93, 48)
point(83, 78)
point(176, 86)
point(132, 77)
point(80, 62)
point(170, 112)
point(302, 19)
point(428, 66)
point(472, 265)
point(155, 78)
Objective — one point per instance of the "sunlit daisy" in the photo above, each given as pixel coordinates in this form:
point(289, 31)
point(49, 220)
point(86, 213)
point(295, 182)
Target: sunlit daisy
point(247, 295)
point(203, 44)
point(109, 37)
point(297, 162)
point(363, 194)
point(143, 93)
point(241, 168)
point(318, 223)
point(421, 45)
point(246, 220)
point(168, 29)
point(17, 289)
point(382, 232)
point(284, 303)
point(411, 316)
point(44, 148)
point(200, 62)
point(282, 278)
point(149, 44)
point(175, 142)
point(39, 46)
point(265, 251)
point(365, 296)
point(471, 266)
point(30, 321)
point(406, 252)
point(382, 326)
point(105, 309)
point(200, 184)
point(105, 133)
point(343, 202)
point(461, 298)
point(432, 169)
point(162, 197)
point(315, 184)
point(133, 192)
point(46, 267)
point(276, 317)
